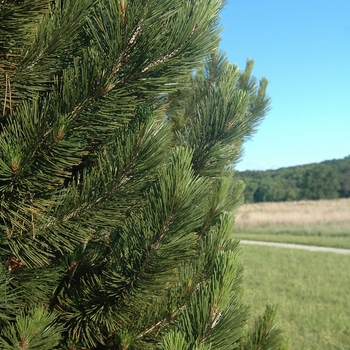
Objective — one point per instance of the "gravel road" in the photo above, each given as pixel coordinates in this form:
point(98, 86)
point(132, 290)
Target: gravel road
point(311, 248)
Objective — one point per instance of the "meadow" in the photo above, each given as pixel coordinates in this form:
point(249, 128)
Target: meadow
point(311, 289)
point(322, 222)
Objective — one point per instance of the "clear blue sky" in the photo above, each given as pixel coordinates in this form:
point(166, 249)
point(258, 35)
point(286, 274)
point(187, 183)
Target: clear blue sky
point(303, 48)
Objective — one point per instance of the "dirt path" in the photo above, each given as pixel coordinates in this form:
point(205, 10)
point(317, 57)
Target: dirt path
point(311, 248)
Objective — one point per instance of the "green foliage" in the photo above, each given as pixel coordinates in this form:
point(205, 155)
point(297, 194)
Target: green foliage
point(265, 334)
point(34, 330)
point(327, 180)
point(9, 299)
point(320, 183)
point(119, 121)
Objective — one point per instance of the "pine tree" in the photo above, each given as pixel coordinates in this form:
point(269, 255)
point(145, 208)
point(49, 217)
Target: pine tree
point(120, 122)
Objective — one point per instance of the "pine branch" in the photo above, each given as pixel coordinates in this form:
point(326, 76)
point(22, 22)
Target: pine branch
point(118, 122)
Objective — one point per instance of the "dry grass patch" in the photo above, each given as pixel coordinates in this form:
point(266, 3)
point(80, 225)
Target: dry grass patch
point(297, 213)
point(323, 222)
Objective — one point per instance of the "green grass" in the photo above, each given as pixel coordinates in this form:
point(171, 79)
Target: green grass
point(312, 290)
point(298, 237)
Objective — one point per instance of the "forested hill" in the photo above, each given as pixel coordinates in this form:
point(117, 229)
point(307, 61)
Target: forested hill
point(326, 180)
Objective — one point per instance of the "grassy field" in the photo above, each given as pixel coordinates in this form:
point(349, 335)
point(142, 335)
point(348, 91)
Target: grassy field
point(323, 222)
point(311, 289)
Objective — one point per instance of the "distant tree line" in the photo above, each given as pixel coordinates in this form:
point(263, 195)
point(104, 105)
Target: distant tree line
point(326, 180)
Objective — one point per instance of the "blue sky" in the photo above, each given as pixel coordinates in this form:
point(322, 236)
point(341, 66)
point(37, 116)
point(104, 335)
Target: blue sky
point(303, 48)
